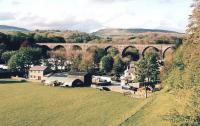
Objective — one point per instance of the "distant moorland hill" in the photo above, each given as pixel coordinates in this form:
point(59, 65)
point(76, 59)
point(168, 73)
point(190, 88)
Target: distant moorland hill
point(140, 36)
point(12, 28)
point(122, 32)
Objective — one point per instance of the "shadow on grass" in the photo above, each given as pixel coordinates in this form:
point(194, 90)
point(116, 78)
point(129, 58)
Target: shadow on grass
point(5, 81)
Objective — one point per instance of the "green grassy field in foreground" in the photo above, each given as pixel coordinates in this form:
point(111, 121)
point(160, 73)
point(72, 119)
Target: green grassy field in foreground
point(23, 104)
point(36, 105)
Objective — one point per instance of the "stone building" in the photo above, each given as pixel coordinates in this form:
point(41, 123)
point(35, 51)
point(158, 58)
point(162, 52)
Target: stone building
point(79, 79)
point(37, 72)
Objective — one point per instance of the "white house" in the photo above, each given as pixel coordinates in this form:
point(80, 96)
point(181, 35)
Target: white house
point(129, 75)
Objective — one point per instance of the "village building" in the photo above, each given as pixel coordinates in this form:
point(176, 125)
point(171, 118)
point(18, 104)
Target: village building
point(129, 75)
point(38, 72)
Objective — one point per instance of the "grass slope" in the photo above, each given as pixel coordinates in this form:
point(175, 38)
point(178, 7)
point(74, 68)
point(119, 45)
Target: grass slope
point(36, 105)
point(153, 113)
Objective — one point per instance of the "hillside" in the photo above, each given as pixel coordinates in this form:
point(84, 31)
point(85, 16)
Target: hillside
point(12, 28)
point(69, 36)
point(142, 36)
point(128, 32)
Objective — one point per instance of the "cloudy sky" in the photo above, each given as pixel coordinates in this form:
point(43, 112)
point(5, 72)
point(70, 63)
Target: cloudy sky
point(91, 15)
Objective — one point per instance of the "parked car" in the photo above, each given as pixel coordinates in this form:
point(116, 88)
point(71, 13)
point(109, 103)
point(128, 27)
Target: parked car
point(126, 87)
point(101, 80)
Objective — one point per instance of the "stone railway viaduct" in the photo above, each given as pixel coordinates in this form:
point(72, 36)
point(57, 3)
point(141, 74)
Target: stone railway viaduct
point(160, 48)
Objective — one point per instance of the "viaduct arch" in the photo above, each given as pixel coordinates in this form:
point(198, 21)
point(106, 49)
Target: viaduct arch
point(131, 51)
point(148, 47)
point(164, 53)
point(160, 48)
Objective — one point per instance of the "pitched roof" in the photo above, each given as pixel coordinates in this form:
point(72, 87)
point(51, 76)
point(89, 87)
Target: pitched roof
point(42, 68)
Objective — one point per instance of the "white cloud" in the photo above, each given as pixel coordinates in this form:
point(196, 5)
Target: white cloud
point(165, 1)
point(109, 1)
point(15, 3)
point(90, 15)
point(6, 16)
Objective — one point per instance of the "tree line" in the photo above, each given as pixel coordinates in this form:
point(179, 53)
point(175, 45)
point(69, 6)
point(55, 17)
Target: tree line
point(14, 41)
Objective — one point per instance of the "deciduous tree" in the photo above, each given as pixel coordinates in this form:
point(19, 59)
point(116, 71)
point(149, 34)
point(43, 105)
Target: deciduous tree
point(7, 55)
point(98, 54)
point(118, 66)
point(58, 58)
point(23, 59)
point(74, 57)
point(113, 52)
point(147, 69)
point(106, 64)
point(87, 62)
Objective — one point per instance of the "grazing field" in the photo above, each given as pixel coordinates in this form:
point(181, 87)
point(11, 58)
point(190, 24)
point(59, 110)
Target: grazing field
point(31, 104)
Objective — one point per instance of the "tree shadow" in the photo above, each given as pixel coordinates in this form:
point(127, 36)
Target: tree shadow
point(7, 81)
